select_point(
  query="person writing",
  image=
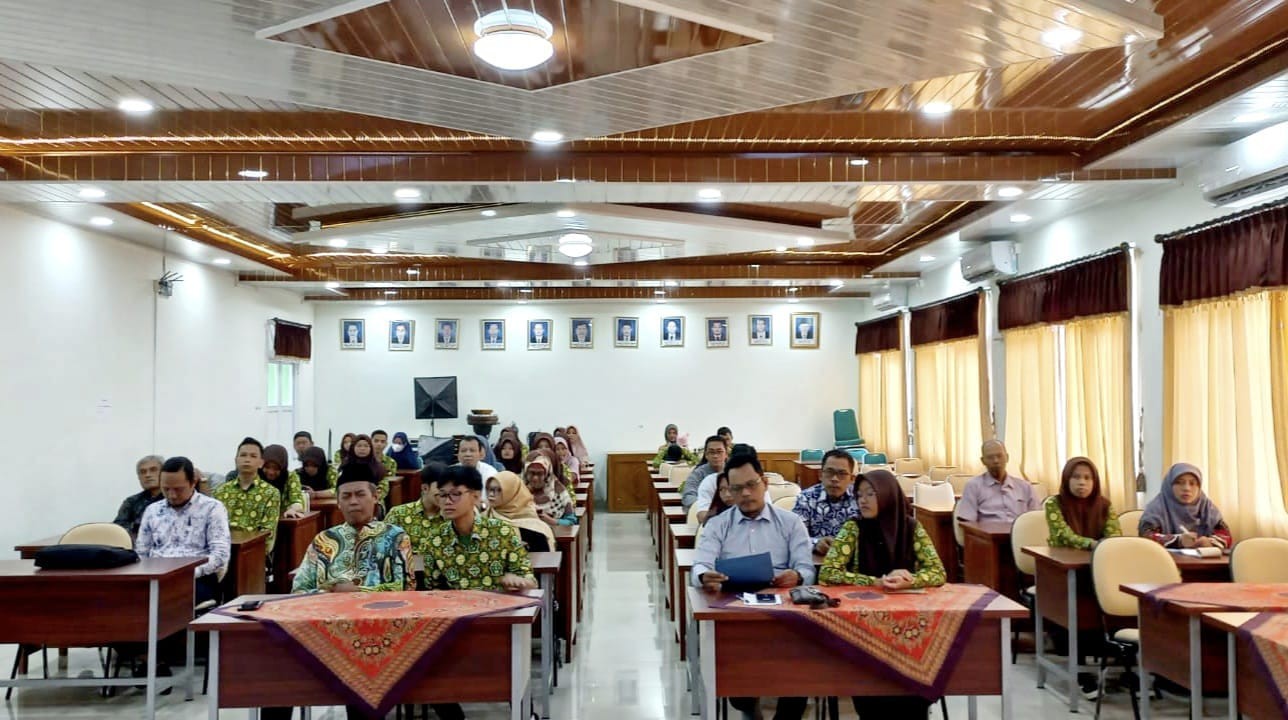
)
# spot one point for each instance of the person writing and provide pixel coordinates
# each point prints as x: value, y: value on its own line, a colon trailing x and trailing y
x: 1080, y: 516
x: 1182, y: 516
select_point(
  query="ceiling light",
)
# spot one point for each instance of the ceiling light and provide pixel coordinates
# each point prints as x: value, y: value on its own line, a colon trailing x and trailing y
x: 793, y: 289
x: 803, y: 241
x: 1251, y: 118
x: 391, y: 292
x: 222, y: 261
x: 1130, y: 38
x: 659, y: 292
x: 253, y: 174
x: 547, y: 137
x: 135, y: 106
x: 566, y: 214
x: 381, y: 302
x: 504, y: 284
x: 580, y: 263
x: 413, y: 271
x: 926, y: 258
x: 525, y: 291
x: 1058, y: 38
x: 513, y: 39
x: 793, y: 300
x: 836, y: 283
x: 92, y: 193
x: 333, y: 285
x: 859, y: 162
x: 407, y: 193
x: 489, y: 213
x: 100, y: 221
x: 1021, y: 218
x: 937, y: 107
x: 337, y: 242
x: 1009, y: 191
x: 710, y: 194
x: 576, y: 245
x: 379, y: 250
x: 565, y: 180
x: 781, y: 248
x: 671, y: 283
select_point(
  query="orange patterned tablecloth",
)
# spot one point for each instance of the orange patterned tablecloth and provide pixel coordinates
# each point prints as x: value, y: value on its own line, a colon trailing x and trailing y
x: 368, y: 644
x: 1267, y: 635
x: 916, y: 639
x: 1250, y: 597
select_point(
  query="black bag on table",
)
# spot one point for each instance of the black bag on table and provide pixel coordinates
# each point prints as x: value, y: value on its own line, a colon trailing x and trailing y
x: 84, y: 557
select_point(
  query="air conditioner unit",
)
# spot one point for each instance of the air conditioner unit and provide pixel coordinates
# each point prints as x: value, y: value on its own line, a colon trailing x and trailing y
x: 1249, y: 172
x: 890, y: 299
x: 988, y: 261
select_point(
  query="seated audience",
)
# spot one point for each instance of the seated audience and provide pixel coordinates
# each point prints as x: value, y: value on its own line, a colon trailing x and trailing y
x: 755, y: 526
x: 543, y: 441
x: 512, y: 430
x: 469, y: 453
x: 884, y: 546
x: 1080, y: 516
x: 302, y: 441
x: 703, y: 477
x: 363, y: 453
x: 554, y: 503
x: 130, y: 514
x: 252, y: 503
x: 994, y: 494
x: 420, y: 518
x: 286, y: 483
x: 674, y: 454
x: 346, y: 446
x: 727, y: 434
x: 510, y: 500
x: 472, y: 551
x: 404, y: 455
x: 566, y: 457
x: 509, y: 453
x: 722, y: 501
x: 187, y: 524
x: 671, y: 434
x: 1182, y: 516
x: 825, y: 507
x: 316, y: 477
x: 578, y: 445
x: 379, y: 443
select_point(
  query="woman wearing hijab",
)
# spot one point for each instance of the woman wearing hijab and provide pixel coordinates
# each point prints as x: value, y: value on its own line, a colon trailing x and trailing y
x: 509, y: 455
x: 346, y: 446
x: 577, y: 445
x: 403, y: 453
x: 554, y: 504
x: 1080, y: 516
x: 671, y: 434
x: 545, y: 442
x: 274, y: 473
x: 315, y: 476
x: 510, y: 500
x: 723, y: 499
x: 363, y: 453
x: 1182, y: 516
x: 884, y: 546
x: 564, y: 453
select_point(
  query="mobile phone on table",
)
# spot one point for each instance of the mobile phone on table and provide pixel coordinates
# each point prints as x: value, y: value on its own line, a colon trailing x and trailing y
x: 766, y: 597
x: 250, y: 605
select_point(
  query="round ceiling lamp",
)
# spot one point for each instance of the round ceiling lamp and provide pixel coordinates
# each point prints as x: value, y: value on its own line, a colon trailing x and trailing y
x: 576, y: 245
x: 513, y: 39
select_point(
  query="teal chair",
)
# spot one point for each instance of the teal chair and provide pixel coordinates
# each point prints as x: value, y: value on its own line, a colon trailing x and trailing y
x: 860, y: 455
x: 876, y: 459
x: 811, y: 456
x: 845, y: 429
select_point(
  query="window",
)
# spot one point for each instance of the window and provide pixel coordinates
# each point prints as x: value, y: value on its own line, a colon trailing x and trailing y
x: 281, y: 386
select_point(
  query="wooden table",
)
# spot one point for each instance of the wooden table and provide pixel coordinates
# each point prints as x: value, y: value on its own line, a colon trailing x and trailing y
x: 330, y: 509
x: 404, y: 487
x: 669, y: 516
x: 294, y: 535
x: 246, y: 564
x: 1064, y: 581
x: 545, y: 565
x: 490, y: 661
x: 986, y: 549
x: 732, y: 655
x: 682, y: 536
x: 807, y: 473
x: 683, y: 564
x: 628, y: 481
x: 569, y: 583
x: 1249, y: 694
x: 141, y: 602
x: 655, y: 504
x: 939, y: 526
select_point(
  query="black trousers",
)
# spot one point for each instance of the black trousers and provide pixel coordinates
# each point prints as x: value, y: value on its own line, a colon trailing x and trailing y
x: 903, y: 707
x: 789, y: 708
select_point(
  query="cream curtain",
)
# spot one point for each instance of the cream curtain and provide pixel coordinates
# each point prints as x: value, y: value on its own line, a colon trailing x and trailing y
x: 881, y: 403
x: 1220, y: 401
x: 1098, y: 414
x: 949, y: 415
x: 1032, y: 434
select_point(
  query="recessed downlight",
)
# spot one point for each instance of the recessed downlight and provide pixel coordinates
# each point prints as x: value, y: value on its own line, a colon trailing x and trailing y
x: 222, y: 261
x: 379, y: 250
x: 488, y: 213
x: 92, y: 193
x: 413, y: 271
x: 100, y: 221
x: 333, y: 285
x: 526, y: 291
x: 407, y: 193
x: 337, y: 242
x: 804, y: 241
x: 391, y: 292
x: 253, y: 174
x: 580, y: 263
x: 1019, y: 218
x: 858, y: 162
x: 926, y: 258
x: 547, y: 137
x: 937, y: 108
x: 710, y: 194
x: 659, y: 292
x: 781, y: 249
x: 566, y: 214
x: 1009, y: 191
x: 135, y: 106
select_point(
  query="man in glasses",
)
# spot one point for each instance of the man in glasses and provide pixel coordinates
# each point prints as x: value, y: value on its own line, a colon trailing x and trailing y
x: 826, y: 506
x: 472, y: 551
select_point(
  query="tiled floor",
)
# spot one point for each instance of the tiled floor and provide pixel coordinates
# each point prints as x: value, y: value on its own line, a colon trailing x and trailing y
x: 627, y: 665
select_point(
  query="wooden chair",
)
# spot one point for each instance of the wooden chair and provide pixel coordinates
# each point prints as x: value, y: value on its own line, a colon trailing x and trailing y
x: 1130, y: 522
x: 1260, y: 560
x: 101, y: 533
x: 909, y: 466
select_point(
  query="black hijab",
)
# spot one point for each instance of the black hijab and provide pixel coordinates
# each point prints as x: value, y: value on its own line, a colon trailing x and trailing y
x: 317, y: 481
x: 886, y: 541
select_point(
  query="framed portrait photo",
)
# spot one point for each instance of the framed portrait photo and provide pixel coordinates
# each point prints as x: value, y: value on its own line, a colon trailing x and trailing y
x: 402, y: 334
x: 581, y: 333
x: 626, y: 332
x: 717, y: 332
x: 353, y: 334
x: 447, y: 333
x: 539, y: 334
x: 760, y: 329
x: 493, y: 333
x: 673, y: 331
x: 804, y: 328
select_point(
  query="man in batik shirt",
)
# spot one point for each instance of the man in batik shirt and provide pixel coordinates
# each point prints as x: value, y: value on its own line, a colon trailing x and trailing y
x: 253, y: 505
x: 826, y: 506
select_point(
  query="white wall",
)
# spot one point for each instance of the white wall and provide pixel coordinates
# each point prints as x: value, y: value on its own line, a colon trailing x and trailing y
x: 77, y: 370
x: 1101, y: 227
x: 620, y: 399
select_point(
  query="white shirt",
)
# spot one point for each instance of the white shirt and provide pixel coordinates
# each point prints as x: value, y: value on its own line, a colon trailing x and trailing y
x: 707, y: 492
x: 487, y: 471
x: 198, y: 528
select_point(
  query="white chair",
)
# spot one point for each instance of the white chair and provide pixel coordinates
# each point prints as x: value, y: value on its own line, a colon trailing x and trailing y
x: 870, y: 468
x: 958, y: 481
x: 908, y: 483
x: 101, y: 533
x: 934, y: 496
x: 692, y: 519
x: 678, y: 472
x: 786, y: 502
x: 1029, y: 529
x: 958, y: 534
x: 909, y: 466
x: 940, y: 473
x: 1130, y: 522
x: 1260, y: 560
x: 779, y: 487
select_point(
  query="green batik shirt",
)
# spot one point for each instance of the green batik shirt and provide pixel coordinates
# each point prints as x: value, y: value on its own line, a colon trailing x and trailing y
x: 842, y: 557
x: 378, y: 559
x: 411, y: 517
x: 1061, y: 535
x: 254, y: 509
x: 293, y: 494
x: 391, y: 466
x: 476, y: 562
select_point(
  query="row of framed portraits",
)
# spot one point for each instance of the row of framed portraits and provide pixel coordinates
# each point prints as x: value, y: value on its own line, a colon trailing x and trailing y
x: 803, y: 332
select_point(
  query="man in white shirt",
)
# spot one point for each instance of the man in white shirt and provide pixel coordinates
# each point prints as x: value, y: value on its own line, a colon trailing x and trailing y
x: 470, y: 454
x: 187, y: 524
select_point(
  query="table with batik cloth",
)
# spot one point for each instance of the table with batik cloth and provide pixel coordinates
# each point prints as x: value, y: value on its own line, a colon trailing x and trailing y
x: 372, y: 650
x: 951, y: 640
x: 1256, y: 642
x: 1173, y: 641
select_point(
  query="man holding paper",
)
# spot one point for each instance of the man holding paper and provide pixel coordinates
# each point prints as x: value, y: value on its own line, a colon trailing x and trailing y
x: 733, y: 539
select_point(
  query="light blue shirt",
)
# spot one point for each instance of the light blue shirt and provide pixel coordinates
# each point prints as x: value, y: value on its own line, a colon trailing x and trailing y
x: 985, y: 499
x: 775, y: 531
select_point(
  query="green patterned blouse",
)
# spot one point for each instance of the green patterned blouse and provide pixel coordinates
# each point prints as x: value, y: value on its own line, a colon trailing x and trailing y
x: 292, y: 494
x: 411, y: 517
x: 255, y: 508
x: 836, y: 568
x: 691, y: 457
x: 1061, y: 535
x: 476, y: 562
x: 391, y: 466
x: 378, y: 559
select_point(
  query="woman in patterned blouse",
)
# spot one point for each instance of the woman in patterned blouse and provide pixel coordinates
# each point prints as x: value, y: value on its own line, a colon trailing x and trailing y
x: 1080, y: 516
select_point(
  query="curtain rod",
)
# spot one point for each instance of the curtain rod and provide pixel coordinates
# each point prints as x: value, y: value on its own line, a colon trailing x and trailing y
x: 945, y: 301
x: 292, y: 324
x: 1228, y: 219
x: 883, y: 318
x: 1121, y: 247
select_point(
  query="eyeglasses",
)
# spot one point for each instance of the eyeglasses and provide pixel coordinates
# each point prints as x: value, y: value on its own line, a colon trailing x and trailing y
x: 739, y: 489
x: 831, y: 473
x: 455, y: 496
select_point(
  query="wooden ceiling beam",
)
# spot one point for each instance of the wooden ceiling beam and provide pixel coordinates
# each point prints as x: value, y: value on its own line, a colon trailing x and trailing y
x: 585, y: 293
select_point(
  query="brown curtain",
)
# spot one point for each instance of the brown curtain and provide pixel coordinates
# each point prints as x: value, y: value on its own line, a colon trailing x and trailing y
x: 1084, y: 288
x: 292, y: 340
x: 1225, y: 257
x: 951, y: 319
x: 878, y: 335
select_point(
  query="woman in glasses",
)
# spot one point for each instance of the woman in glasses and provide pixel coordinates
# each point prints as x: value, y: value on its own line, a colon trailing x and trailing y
x: 554, y: 504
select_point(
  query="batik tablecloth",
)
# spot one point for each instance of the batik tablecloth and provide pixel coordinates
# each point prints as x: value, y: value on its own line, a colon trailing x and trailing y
x: 1267, y: 636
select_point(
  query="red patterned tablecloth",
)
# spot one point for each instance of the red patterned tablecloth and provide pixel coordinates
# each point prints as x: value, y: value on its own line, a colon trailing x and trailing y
x: 370, y: 645
x: 1250, y: 597
x: 1267, y: 635
x: 916, y: 638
